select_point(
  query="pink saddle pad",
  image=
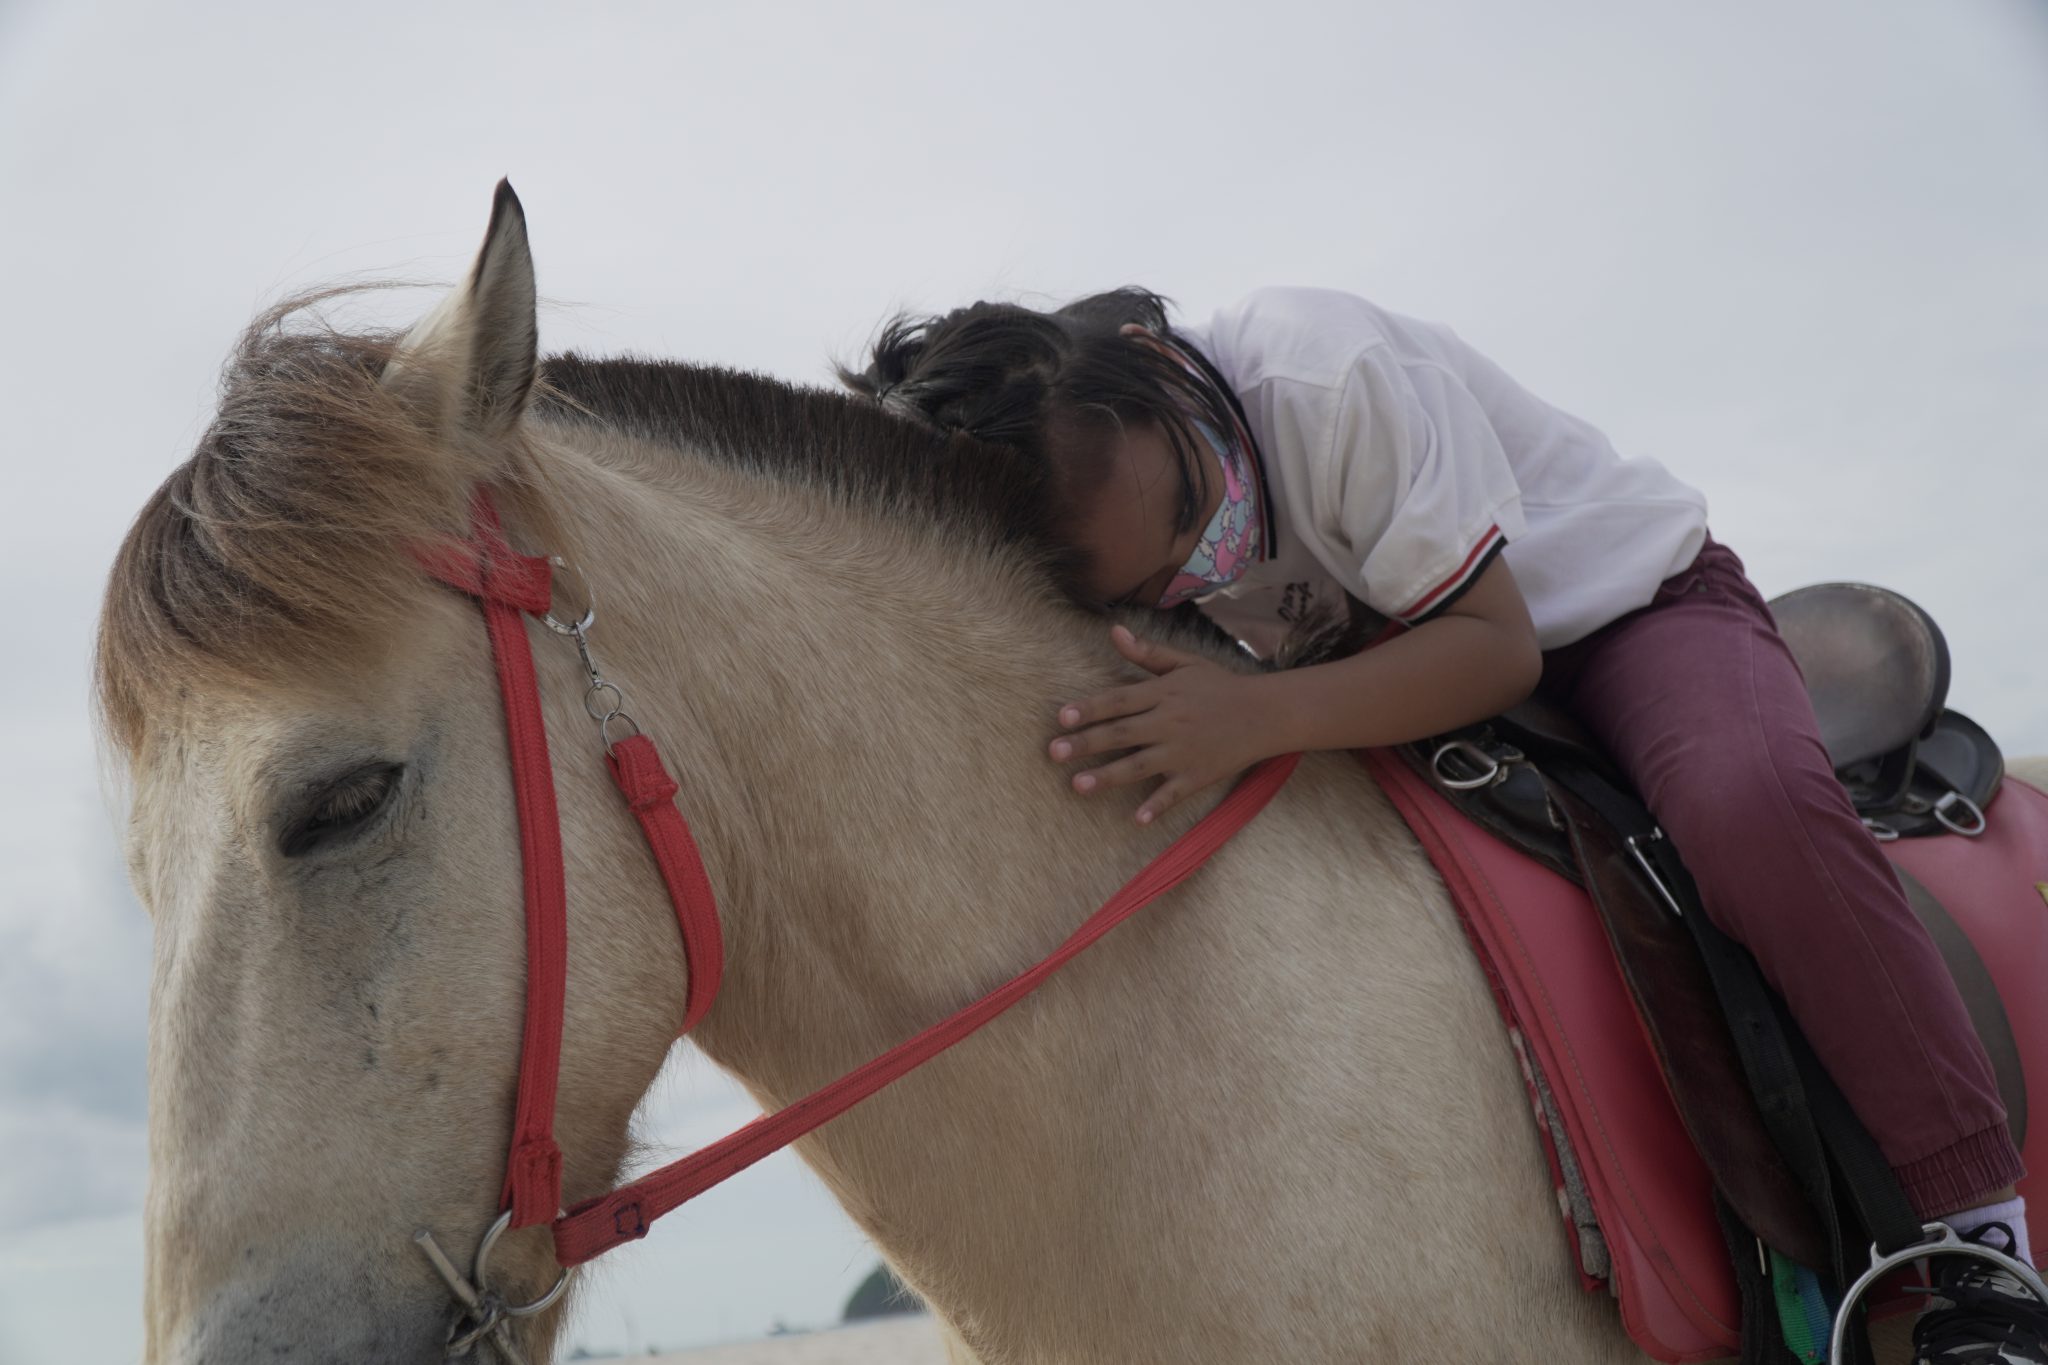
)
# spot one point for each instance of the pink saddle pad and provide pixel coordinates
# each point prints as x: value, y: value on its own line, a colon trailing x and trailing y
x: 1558, y: 988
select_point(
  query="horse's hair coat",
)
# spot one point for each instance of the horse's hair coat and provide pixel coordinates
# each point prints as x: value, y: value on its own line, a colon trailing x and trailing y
x: 1271, y: 1118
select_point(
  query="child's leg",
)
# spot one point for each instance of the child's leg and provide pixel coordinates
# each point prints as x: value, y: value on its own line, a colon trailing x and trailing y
x: 1698, y: 699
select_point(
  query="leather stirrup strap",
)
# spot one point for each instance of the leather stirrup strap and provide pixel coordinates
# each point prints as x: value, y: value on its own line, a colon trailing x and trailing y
x: 1805, y: 1126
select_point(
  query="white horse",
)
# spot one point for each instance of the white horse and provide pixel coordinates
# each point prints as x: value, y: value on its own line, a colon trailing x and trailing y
x: 1273, y: 1118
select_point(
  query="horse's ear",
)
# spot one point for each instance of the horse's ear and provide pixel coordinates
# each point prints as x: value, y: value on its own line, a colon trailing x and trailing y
x: 470, y: 363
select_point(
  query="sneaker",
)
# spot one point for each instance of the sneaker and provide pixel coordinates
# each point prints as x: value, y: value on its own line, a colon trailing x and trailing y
x: 1979, y: 1314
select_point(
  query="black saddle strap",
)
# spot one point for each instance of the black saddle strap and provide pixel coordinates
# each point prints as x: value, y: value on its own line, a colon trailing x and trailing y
x: 1803, y: 1110
x: 1745, y: 998
x: 1763, y: 1336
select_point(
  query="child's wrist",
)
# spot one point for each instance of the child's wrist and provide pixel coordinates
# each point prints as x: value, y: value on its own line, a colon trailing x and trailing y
x: 1266, y: 713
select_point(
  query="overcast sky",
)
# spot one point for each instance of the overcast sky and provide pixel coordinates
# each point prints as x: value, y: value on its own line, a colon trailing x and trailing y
x: 1795, y: 251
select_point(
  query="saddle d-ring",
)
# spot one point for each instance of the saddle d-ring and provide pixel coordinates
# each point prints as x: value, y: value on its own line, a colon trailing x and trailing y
x: 1879, y: 830
x: 1491, y: 770
x: 1973, y: 823
x: 1941, y: 1240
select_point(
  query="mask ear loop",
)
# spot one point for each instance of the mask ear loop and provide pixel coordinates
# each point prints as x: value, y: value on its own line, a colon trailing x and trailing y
x: 1196, y: 578
x: 1252, y: 460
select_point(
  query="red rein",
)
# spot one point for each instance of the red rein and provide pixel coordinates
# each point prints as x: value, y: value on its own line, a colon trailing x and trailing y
x: 509, y: 586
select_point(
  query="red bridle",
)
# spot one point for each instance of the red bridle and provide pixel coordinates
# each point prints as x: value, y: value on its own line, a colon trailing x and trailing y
x: 510, y: 586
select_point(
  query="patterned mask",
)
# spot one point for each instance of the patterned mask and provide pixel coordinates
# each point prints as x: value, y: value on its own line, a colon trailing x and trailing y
x: 1230, y: 542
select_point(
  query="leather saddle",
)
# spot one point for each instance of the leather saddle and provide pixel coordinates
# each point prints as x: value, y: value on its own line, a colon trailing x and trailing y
x: 1877, y: 669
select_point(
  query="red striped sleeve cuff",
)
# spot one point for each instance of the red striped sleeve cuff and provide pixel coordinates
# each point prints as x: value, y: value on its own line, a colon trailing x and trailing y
x: 1491, y: 543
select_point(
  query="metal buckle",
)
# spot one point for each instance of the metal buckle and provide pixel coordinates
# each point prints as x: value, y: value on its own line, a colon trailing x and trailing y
x: 1941, y: 1241
x: 1970, y: 810
x: 1879, y: 830
x: 1634, y: 843
x: 484, y: 1314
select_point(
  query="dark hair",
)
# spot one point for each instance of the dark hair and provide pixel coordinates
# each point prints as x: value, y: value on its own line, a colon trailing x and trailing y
x: 1059, y: 386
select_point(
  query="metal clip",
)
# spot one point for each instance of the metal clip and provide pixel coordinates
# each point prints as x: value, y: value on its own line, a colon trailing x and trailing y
x: 604, y: 701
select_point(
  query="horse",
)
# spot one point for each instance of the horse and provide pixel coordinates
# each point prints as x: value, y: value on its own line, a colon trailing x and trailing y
x: 1273, y: 1117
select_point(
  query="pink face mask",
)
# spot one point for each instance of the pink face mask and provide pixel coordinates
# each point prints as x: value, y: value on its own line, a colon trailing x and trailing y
x: 1230, y: 542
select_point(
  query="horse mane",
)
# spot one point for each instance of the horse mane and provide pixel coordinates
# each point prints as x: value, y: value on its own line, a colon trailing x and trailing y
x: 283, y: 546
x: 820, y: 438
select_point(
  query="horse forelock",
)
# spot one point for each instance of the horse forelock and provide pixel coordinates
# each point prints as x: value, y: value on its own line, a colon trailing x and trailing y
x: 282, y: 548
x: 282, y: 544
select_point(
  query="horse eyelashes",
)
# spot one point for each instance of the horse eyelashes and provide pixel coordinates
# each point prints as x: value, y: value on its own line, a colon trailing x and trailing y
x: 342, y: 810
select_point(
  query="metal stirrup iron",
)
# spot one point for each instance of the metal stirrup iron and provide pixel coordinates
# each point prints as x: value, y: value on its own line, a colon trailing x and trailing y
x: 1941, y: 1240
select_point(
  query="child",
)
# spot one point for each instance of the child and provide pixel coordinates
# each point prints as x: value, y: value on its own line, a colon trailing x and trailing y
x: 1308, y: 451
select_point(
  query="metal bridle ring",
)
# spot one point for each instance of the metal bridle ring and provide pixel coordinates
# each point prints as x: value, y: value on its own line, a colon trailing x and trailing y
x: 601, y: 714
x: 481, y: 1274
x: 548, y: 617
x: 604, y: 729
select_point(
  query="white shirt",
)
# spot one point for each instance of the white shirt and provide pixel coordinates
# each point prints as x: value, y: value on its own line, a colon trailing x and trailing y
x: 1398, y: 461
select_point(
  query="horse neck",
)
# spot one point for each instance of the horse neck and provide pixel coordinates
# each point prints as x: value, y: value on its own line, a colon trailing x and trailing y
x: 857, y: 712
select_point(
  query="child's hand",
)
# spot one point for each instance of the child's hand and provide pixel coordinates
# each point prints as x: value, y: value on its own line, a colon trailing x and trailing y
x: 1194, y: 724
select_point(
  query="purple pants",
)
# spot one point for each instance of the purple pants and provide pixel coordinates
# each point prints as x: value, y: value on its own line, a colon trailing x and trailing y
x: 1699, y: 701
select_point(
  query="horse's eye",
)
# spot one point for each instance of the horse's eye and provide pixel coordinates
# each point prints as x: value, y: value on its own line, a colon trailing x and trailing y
x: 345, y: 807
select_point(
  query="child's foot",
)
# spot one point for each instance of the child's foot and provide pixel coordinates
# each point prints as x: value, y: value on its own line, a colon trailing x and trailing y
x: 1980, y: 1314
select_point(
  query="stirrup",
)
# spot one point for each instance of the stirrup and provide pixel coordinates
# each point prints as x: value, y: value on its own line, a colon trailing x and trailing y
x: 1941, y: 1240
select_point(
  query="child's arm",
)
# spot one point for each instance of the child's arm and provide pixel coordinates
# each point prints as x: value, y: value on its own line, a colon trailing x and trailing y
x: 1195, y: 723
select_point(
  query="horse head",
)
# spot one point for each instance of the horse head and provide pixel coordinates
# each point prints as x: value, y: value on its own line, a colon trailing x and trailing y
x: 323, y: 833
